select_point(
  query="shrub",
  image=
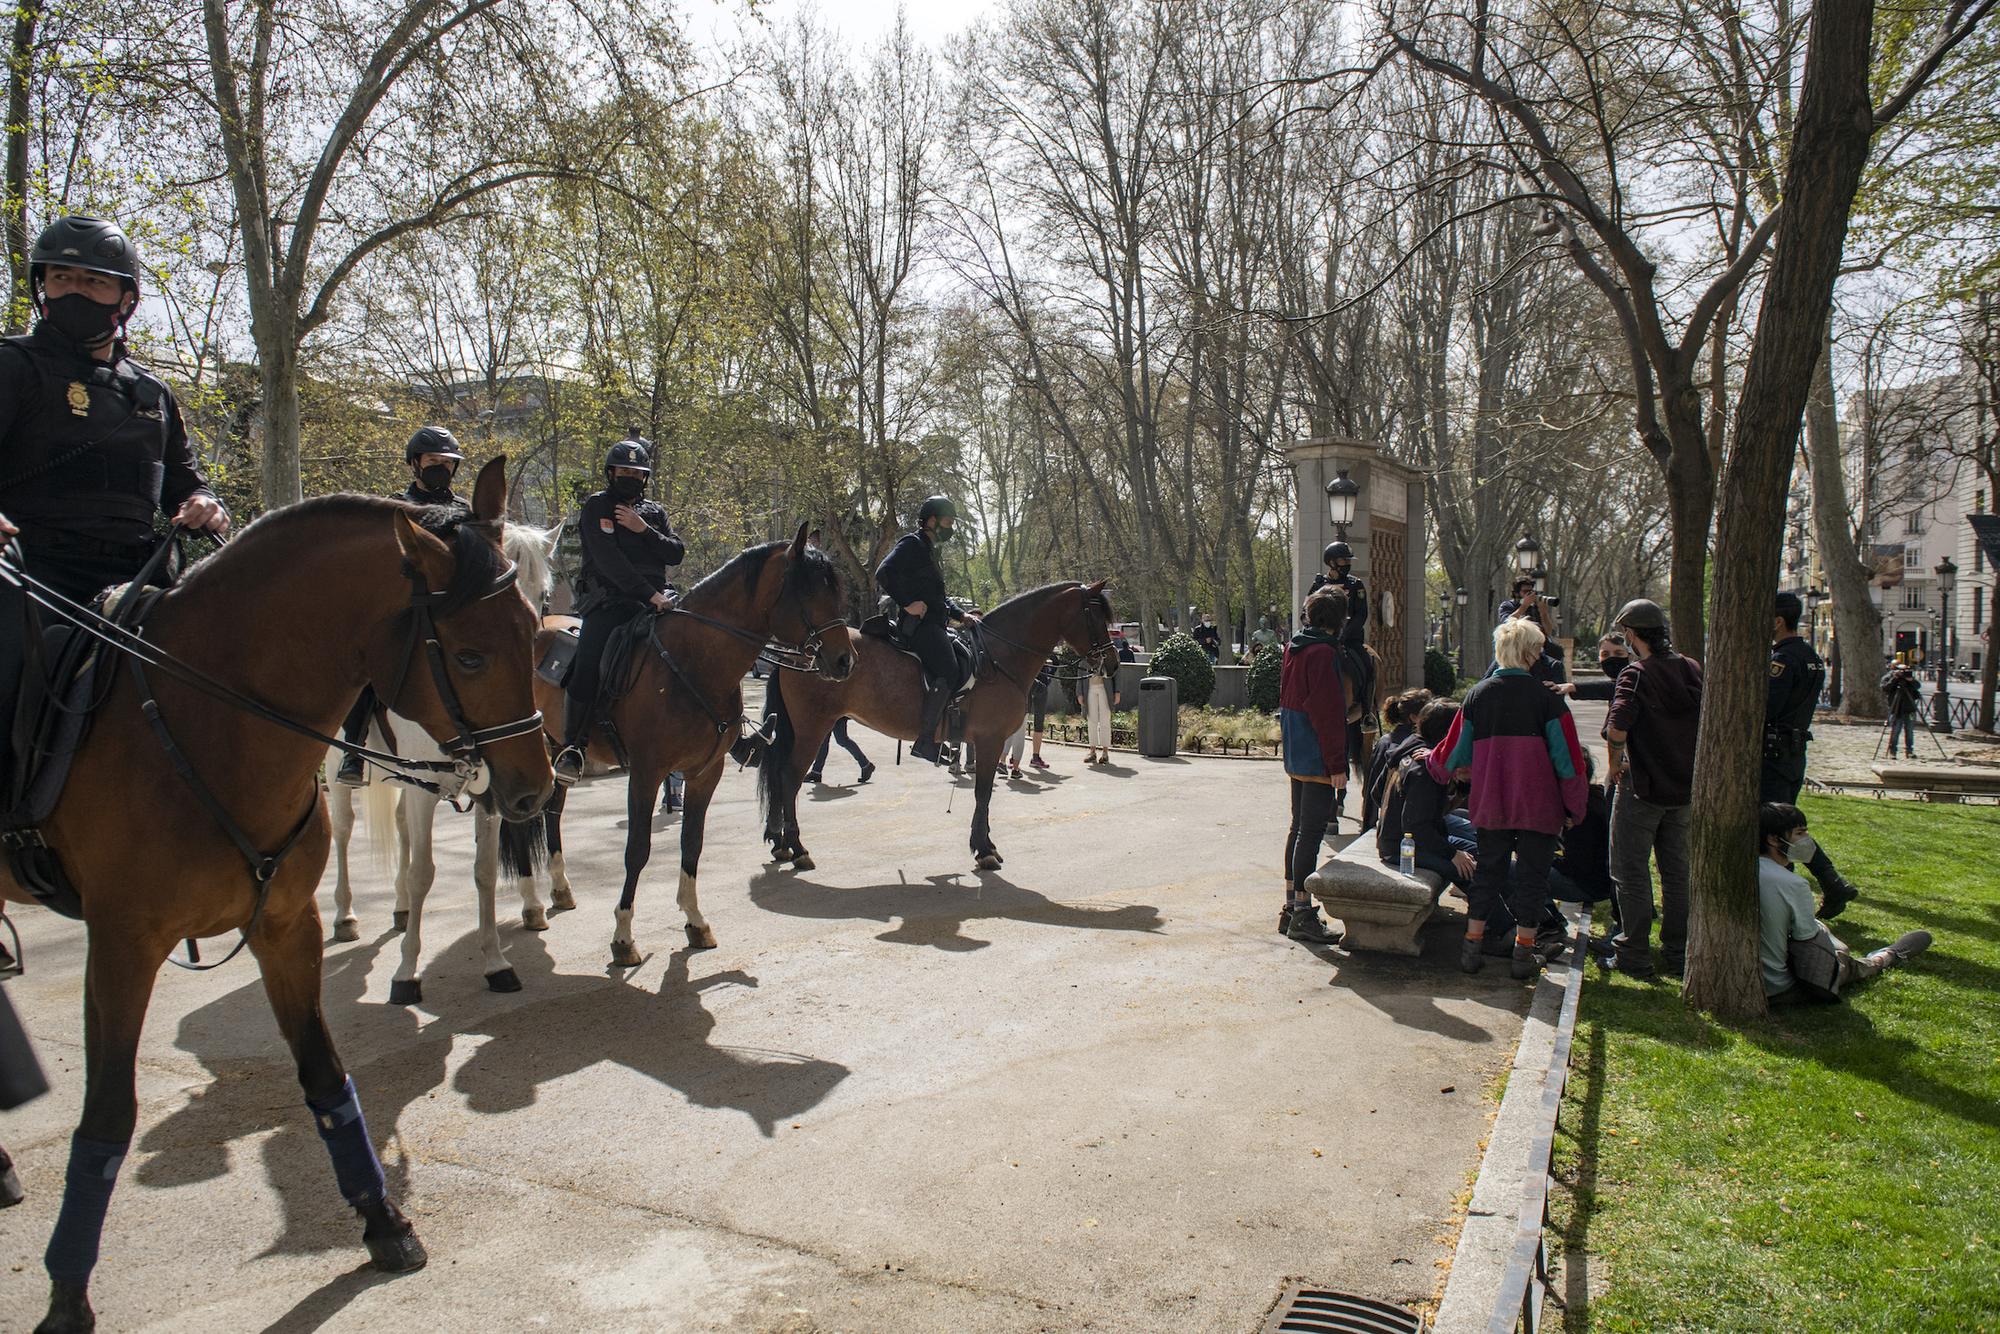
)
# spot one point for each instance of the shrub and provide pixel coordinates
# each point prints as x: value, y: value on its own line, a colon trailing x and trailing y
x: 1263, y: 680
x: 1440, y: 673
x: 1183, y: 659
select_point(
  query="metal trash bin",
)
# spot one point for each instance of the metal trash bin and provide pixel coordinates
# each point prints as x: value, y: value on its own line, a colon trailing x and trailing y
x: 1159, y: 715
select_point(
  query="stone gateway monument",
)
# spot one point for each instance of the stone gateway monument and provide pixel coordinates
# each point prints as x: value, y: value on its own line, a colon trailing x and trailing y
x: 1386, y: 531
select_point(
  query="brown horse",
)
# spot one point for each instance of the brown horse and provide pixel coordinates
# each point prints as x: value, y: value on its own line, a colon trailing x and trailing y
x: 334, y: 592
x: 886, y: 693
x: 682, y: 706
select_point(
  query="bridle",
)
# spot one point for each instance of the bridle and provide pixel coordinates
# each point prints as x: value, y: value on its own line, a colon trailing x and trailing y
x: 802, y: 655
x: 1102, y: 648
x: 466, y: 771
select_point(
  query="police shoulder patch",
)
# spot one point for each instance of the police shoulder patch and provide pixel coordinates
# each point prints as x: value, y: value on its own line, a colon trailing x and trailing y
x: 1777, y: 668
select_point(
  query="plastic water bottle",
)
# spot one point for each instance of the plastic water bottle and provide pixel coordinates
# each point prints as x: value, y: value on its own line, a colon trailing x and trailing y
x: 1408, y: 865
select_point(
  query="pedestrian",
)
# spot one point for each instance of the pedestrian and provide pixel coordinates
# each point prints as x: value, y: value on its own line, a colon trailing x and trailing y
x: 1038, y: 706
x: 1516, y: 742
x: 1418, y: 805
x: 1099, y: 700
x: 1010, y: 754
x: 1901, y: 691
x: 1312, y: 726
x: 1650, y: 734
x: 817, y: 774
x: 1400, y: 712
x: 1798, y: 675
x: 1802, y: 960
x: 1614, y: 654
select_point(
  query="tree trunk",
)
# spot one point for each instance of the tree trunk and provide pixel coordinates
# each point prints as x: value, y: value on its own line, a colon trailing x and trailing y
x: 1857, y: 621
x: 278, y: 373
x: 1822, y: 173
x: 20, y: 71
x: 1690, y: 508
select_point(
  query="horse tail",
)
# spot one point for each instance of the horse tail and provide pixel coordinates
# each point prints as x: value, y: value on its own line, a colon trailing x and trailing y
x: 781, y: 741
x: 524, y: 846
x: 378, y: 817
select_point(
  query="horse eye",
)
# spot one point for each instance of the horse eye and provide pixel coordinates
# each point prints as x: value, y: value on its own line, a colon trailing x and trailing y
x: 472, y: 662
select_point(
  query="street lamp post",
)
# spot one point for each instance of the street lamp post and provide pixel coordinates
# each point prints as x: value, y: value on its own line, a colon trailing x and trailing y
x: 1343, y: 493
x: 1947, y: 577
x: 1459, y: 598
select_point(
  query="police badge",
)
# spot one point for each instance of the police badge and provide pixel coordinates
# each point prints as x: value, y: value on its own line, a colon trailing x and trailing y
x: 79, y: 399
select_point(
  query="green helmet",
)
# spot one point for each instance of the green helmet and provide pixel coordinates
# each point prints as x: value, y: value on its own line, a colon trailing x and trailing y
x: 937, y: 507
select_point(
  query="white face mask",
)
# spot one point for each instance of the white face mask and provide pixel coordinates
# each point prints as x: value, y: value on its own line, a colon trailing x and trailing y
x: 1802, y: 849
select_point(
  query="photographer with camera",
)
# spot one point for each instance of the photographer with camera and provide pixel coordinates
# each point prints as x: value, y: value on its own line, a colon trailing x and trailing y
x: 1538, y: 609
x: 1901, y: 691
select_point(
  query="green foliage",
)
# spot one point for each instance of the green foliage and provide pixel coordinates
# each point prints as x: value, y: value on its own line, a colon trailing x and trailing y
x: 1263, y: 681
x: 1183, y: 659
x: 1829, y: 1158
x: 1440, y: 672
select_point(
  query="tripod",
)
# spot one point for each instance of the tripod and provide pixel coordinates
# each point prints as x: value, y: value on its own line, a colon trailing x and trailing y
x: 1922, y: 717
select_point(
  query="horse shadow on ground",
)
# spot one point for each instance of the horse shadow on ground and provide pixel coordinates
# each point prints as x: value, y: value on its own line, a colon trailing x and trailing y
x: 558, y: 1025
x: 934, y: 912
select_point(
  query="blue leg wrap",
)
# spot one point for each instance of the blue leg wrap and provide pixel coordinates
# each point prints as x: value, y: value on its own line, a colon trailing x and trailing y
x: 93, y: 1171
x: 355, y: 1166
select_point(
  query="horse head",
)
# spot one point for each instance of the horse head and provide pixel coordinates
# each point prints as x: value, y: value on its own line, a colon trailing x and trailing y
x: 462, y: 656
x: 811, y: 609
x: 1088, y: 631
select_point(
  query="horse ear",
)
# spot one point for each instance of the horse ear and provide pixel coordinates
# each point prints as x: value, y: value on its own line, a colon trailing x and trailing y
x: 430, y: 556
x: 489, y: 493
x: 1097, y: 587
x: 798, y: 550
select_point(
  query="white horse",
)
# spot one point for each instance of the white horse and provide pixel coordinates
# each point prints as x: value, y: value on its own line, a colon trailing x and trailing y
x: 415, y: 813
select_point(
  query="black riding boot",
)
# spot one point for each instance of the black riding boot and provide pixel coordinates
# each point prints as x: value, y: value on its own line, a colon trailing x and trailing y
x: 577, y: 719
x: 926, y: 745
x: 1835, y: 890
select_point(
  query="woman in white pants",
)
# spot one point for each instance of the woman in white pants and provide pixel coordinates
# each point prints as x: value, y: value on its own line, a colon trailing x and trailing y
x: 1098, y: 699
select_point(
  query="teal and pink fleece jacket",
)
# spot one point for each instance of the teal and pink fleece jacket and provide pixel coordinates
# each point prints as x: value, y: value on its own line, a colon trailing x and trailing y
x: 1518, y: 739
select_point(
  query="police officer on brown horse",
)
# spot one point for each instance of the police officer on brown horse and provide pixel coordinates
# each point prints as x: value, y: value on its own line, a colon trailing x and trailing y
x: 628, y: 547
x: 912, y: 578
x: 433, y: 457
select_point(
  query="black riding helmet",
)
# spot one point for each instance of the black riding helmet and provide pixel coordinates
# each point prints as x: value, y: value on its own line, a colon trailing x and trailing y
x: 628, y: 454
x: 78, y: 242
x: 432, y: 440
x: 937, y: 507
x: 1336, y: 551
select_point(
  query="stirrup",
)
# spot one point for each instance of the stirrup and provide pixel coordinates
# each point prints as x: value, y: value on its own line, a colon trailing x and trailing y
x: 568, y: 765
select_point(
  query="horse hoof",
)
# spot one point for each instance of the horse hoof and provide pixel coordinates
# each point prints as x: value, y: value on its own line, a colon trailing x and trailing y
x: 534, y: 919
x: 69, y: 1311
x: 783, y: 852
x: 561, y: 900
x: 624, y: 954
x: 410, y: 992
x: 397, y: 1253
x: 347, y: 928
x: 11, y: 1193
x: 803, y: 862
x: 399, y: 920
x: 504, y: 980
x: 701, y: 938
x: 989, y: 862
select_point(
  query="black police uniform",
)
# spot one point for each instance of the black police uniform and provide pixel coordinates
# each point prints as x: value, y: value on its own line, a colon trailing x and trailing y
x: 622, y: 570
x: 447, y: 498
x: 909, y: 574
x: 90, y: 453
x: 1798, y: 675
x: 1354, y: 638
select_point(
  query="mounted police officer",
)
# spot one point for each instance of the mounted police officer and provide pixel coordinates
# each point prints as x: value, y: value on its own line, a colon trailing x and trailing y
x: 433, y: 457
x: 914, y: 580
x: 1798, y: 675
x: 1339, y: 561
x: 92, y: 447
x: 628, y: 547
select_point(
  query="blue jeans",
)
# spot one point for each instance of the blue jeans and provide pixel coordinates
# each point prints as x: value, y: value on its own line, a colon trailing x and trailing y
x: 847, y: 743
x: 1905, y: 726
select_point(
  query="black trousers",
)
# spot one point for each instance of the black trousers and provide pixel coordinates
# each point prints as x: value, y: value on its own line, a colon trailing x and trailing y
x: 932, y: 645
x: 1513, y: 873
x: 1312, y: 809
x: 586, y: 677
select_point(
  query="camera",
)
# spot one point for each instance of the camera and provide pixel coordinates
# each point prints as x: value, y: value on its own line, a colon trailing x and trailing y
x: 1551, y: 599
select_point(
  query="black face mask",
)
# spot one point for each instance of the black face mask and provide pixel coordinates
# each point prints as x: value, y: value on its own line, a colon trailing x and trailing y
x: 91, y: 323
x: 627, y: 489
x: 437, y: 478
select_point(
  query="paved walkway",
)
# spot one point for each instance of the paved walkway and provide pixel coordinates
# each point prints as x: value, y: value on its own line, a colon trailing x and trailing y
x: 1093, y: 1091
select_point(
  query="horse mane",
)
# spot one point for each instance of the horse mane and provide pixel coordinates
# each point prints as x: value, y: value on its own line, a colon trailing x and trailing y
x: 531, y: 549
x: 476, y: 562
x: 1034, y: 597
x: 807, y: 576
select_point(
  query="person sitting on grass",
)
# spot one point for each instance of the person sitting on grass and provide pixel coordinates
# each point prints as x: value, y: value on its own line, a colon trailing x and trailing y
x: 1803, y: 961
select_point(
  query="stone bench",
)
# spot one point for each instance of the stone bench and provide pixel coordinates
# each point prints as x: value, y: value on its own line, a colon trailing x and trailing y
x: 1379, y: 908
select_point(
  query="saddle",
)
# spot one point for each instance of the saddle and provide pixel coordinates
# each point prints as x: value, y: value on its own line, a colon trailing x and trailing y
x: 60, y: 692
x: 967, y: 645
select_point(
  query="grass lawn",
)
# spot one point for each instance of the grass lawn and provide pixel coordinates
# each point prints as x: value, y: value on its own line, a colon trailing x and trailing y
x: 1831, y: 1168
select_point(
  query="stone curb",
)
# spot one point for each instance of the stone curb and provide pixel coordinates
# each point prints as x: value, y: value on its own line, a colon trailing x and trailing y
x: 1498, y: 1271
